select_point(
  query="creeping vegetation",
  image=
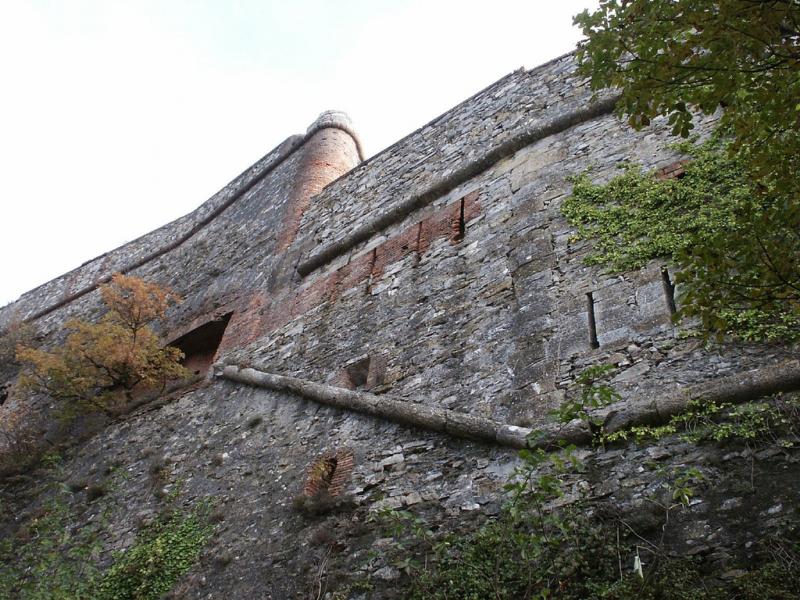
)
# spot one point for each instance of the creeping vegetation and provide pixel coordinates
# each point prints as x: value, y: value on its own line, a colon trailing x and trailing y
x: 736, y: 60
x: 162, y: 553
x: 52, y: 559
x: 546, y: 545
x: 775, y: 422
x: 733, y: 242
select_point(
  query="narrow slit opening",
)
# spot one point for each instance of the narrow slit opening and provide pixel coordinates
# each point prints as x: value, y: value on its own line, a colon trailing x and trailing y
x: 460, y: 227
x: 593, y: 343
x: 373, y: 259
x: 419, y: 240
x: 669, y: 290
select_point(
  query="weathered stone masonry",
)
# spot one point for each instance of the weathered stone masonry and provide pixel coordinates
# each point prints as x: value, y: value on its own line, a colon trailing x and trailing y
x: 436, y: 280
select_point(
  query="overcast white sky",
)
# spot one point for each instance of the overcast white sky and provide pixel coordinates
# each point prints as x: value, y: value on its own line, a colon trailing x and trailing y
x: 117, y: 116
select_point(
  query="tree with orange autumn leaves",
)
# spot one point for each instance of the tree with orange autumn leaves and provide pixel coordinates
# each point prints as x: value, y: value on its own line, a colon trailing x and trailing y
x: 100, y: 365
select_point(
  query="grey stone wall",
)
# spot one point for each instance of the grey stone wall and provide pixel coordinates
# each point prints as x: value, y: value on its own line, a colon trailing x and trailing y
x: 473, y: 298
x: 249, y: 450
x: 497, y: 323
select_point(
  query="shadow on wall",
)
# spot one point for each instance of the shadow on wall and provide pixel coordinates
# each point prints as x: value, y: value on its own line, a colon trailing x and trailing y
x: 200, y: 345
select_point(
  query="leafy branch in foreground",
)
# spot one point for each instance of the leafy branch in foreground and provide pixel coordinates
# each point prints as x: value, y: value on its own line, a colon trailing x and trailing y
x: 681, y: 57
x: 738, y: 248
x: 101, y: 364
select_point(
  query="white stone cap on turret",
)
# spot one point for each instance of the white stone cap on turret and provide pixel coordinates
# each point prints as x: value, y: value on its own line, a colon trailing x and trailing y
x: 336, y: 119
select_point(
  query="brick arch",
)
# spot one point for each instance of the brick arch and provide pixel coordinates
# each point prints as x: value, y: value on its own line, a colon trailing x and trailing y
x: 329, y: 473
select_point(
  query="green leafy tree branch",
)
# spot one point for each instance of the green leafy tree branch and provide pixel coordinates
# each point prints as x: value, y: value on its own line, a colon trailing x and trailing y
x: 731, y: 226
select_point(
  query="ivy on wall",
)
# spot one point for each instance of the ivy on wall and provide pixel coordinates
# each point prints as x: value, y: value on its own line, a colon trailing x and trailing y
x: 734, y: 243
x: 52, y: 559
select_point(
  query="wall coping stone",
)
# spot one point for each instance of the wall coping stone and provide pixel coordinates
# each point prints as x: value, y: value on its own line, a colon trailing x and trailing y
x: 537, y: 131
x: 736, y: 389
x: 243, y: 184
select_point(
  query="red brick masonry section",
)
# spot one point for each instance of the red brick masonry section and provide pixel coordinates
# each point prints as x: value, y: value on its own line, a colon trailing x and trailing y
x: 329, y: 473
x: 673, y: 171
x: 263, y: 315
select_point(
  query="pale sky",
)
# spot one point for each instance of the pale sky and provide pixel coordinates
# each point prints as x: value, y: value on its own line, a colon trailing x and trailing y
x: 118, y: 116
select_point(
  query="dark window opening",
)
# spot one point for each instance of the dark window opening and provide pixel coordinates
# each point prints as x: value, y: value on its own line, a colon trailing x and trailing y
x: 329, y: 474
x: 365, y: 373
x: 358, y: 372
x: 200, y: 345
x: 592, y: 322
x: 669, y: 290
x: 320, y: 476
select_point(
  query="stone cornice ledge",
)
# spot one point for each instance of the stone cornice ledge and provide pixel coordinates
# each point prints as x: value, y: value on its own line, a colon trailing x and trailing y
x: 532, y: 133
x: 415, y: 414
x: 738, y: 388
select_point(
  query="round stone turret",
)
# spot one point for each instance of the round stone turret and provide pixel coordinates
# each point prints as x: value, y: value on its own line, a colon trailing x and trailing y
x: 336, y: 119
x: 331, y: 149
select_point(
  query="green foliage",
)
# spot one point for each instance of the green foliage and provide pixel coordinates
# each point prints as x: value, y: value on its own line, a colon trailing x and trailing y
x: 593, y: 394
x: 50, y: 558
x: 532, y: 550
x: 636, y: 217
x: 676, y: 58
x: 683, y: 486
x: 397, y: 524
x: 542, y: 547
x: 735, y: 238
x: 703, y: 421
x: 516, y: 558
x: 360, y: 585
x: 162, y: 553
x: 736, y: 248
x: 684, y: 579
x: 501, y: 562
x: 582, y: 560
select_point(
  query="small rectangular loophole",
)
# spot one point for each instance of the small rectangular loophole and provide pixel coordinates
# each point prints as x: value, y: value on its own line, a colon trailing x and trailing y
x: 593, y: 343
x: 669, y: 290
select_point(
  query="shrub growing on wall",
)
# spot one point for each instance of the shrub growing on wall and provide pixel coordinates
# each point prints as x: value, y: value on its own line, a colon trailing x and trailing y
x: 100, y: 365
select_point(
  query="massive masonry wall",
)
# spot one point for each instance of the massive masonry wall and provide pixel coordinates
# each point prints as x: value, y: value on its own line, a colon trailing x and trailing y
x: 232, y: 243
x: 439, y: 272
x: 473, y: 297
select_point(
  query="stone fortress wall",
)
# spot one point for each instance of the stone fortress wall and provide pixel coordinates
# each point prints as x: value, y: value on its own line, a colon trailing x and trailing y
x: 439, y: 272
x: 451, y: 240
